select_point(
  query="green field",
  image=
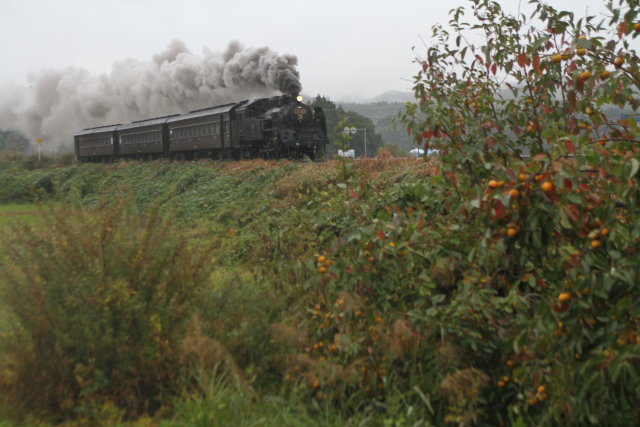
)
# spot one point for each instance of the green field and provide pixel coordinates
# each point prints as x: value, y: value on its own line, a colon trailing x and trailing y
x: 10, y: 213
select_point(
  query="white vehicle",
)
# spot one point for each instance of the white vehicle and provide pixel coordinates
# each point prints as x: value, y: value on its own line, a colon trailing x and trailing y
x: 347, y: 153
x: 419, y: 152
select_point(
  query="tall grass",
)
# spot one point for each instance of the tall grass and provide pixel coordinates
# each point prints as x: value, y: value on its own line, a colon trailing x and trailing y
x: 110, y: 307
x: 97, y: 303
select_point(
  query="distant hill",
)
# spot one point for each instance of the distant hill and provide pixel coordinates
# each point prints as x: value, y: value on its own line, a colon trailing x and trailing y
x: 394, y: 96
x: 374, y: 110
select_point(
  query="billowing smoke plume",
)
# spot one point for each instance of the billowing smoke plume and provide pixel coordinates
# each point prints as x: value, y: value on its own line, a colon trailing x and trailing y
x: 58, y: 103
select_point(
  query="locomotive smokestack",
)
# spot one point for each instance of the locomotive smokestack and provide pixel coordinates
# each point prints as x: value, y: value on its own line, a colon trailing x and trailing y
x: 59, y: 102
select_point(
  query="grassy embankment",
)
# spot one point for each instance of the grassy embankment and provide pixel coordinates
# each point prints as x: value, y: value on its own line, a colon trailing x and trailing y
x: 259, y: 293
x: 256, y: 229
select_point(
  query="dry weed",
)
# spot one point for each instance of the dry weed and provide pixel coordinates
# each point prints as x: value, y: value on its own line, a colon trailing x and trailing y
x: 463, y: 384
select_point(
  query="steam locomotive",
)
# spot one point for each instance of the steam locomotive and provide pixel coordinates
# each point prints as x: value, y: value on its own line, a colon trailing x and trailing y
x: 277, y: 127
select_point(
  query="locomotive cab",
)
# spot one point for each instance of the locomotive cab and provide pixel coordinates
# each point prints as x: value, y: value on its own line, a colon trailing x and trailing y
x: 281, y: 126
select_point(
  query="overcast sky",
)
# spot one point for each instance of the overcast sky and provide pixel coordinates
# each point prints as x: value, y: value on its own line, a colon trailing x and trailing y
x: 345, y: 48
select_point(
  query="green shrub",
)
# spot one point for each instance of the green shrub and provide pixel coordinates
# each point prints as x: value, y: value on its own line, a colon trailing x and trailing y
x: 97, y: 304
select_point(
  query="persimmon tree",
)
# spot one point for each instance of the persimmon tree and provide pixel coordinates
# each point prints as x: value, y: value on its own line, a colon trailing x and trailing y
x: 503, y: 289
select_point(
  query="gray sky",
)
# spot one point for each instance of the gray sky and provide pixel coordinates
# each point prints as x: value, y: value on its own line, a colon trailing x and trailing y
x: 345, y: 49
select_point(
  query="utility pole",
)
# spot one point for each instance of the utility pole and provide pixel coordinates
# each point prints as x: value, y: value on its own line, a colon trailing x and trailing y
x: 352, y: 130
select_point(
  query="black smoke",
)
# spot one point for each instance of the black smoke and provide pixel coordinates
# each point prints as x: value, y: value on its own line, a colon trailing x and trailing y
x: 58, y: 103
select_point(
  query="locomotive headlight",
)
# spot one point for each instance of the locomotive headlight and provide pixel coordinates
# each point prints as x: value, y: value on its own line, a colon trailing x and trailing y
x: 299, y: 98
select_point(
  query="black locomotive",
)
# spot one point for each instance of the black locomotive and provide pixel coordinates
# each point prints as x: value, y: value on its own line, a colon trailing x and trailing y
x: 277, y: 127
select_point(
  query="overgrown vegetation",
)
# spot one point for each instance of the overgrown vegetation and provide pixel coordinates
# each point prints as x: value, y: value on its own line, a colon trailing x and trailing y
x: 253, y: 222
x: 100, y: 303
x: 496, y: 286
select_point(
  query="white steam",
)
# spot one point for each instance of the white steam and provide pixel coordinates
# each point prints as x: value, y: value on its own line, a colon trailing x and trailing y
x: 58, y: 103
